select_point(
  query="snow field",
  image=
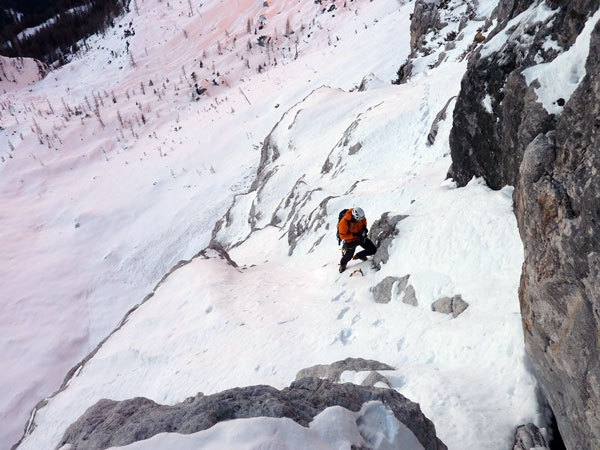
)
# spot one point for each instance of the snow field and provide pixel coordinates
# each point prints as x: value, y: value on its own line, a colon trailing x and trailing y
x: 99, y: 215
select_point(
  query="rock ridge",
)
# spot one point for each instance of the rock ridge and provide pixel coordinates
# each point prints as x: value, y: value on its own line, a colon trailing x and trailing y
x: 112, y: 423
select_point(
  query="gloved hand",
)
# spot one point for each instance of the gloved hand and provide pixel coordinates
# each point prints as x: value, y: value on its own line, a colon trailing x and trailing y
x: 363, y: 235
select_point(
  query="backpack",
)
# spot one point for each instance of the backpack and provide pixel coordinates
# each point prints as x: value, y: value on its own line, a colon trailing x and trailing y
x: 337, y: 231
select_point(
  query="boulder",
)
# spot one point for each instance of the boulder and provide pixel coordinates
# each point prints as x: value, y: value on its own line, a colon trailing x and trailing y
x: 382, y: 292
x: 450, y: 305
x: 410, y: 296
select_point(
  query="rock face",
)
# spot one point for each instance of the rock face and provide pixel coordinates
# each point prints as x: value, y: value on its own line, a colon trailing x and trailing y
x: 110, y: 423
x: 558, y: 211
x: 496, y: 114
x: 426, y: 17
x: 503, y: 134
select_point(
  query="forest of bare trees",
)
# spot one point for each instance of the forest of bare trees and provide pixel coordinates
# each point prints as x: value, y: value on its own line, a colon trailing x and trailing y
x: 59, y: 25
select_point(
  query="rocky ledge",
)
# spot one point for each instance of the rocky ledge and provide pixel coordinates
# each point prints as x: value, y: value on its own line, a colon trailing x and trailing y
x: 115, y: 423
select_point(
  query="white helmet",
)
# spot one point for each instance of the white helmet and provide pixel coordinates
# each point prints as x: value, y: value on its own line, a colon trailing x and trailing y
x: 358, y: 214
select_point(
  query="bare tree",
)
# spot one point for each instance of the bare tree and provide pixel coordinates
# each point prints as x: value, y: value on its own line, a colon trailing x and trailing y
x: 131, y: 60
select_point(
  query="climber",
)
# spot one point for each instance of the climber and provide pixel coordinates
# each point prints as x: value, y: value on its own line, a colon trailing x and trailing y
x: 352, y: 230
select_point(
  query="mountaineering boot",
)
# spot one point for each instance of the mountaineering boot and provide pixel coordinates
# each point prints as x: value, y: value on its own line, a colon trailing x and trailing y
x: 342, y: 268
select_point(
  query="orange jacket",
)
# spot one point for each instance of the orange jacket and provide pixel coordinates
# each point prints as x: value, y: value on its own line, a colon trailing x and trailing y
x: 350, y: 230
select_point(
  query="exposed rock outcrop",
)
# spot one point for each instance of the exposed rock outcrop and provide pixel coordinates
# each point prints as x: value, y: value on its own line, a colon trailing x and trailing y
x: 392, y: 287
x: 111, y: 423
x: 425, y: 18
x: 496, y: 114
x: 435, y: 28
x: 502, y: 133
x: 435, y: 126
x: 410, y: 296
x: 382, y: 232
x: 383, y: 291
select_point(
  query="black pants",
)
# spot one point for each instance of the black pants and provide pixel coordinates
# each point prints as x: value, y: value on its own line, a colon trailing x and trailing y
x: 349, y: 248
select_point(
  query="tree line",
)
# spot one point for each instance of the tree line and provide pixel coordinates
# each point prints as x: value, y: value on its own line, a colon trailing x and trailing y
x: 65, y: 24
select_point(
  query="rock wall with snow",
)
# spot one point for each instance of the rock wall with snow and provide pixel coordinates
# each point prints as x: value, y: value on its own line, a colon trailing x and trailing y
x: 527, y: 116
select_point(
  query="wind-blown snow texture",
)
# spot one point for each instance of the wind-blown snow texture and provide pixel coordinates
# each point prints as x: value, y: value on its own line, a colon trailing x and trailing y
x: 112, y: 173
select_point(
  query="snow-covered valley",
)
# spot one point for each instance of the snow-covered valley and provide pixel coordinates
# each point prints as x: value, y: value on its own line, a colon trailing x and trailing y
x: 114, y: 170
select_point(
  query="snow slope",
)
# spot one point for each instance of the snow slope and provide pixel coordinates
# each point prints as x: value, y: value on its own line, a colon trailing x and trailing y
x: 117, y: 174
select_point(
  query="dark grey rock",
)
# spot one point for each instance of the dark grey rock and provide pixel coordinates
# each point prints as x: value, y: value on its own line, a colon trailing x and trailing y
x: 410, y: 296
x: 333, y: 371
x: 450, y: 305
x: 382, y: 292
x: 355, y: 148
x: 382, y: 232
x: 404, y: 72
x: 491, y: 144
x: 508, y: 9
x: 529, y: 437
x: 111, y: 423
x: 499, y: 136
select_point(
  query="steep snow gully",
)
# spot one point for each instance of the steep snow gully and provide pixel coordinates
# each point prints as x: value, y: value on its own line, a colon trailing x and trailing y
x: 299, y: 120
